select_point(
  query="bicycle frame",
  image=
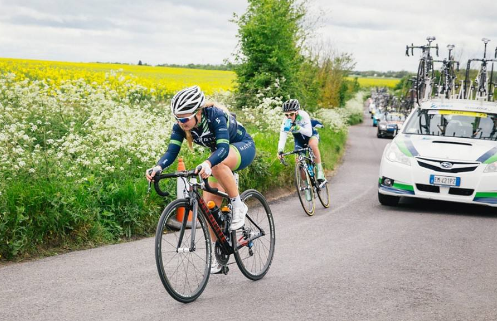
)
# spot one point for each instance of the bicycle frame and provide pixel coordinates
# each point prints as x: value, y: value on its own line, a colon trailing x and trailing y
x: 197, y: 202
x: 304, y: 160
x: 484, y: 88
x: 425, y: 69
x: 447, y: 82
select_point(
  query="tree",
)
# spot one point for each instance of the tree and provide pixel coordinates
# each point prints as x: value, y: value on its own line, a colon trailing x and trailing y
x: 140, y: 63
x: 332, y: 69
x: 269, y: 58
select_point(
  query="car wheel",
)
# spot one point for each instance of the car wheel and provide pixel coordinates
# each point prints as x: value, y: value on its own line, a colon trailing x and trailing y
x: 388, y: 200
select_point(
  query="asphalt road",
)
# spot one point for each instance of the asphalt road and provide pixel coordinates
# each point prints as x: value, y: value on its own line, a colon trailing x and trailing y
x: 358, y: 260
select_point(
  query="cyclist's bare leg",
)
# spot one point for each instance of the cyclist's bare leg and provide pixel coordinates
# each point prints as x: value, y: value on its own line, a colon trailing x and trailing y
x: 313, y: 144
x: 225, y: 181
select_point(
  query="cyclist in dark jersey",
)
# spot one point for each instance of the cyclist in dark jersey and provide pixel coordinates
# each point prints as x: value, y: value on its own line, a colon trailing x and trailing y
x: 207, y: 125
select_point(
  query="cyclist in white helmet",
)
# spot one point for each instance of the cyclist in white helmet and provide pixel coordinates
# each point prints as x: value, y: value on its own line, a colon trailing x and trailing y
x: 299, y: 123
x: 232, y: 147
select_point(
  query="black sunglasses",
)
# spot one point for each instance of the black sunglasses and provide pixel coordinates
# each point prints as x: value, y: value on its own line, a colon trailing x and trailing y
x: 290, y: 114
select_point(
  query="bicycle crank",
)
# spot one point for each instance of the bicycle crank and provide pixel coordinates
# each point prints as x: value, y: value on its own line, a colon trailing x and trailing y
x: 220, y: 256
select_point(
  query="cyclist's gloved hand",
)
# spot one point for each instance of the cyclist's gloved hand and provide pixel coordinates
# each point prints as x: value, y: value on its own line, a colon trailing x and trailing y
x: 151, y: 172
x: 295, y: 129
x: 205, y: 170
x: 288, y: 124
x: 280, y: 154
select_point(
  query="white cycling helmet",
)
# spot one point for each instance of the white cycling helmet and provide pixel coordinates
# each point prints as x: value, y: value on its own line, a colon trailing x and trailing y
x: 291, y: 105
x: 187, y: 100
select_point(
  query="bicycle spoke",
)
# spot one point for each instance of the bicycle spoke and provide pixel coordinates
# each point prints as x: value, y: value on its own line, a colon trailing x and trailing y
x: 184, y: 274
x: 254, y: 257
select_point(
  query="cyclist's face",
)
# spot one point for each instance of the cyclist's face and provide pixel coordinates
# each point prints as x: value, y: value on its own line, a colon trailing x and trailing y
x: 186, y: 121
x: 291, y: 115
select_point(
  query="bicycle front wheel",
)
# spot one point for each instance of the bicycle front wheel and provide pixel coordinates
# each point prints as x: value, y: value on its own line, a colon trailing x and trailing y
x: 255, y: 242
x: 304, y: 189
x: 183, y: 270
x: 323, y: 192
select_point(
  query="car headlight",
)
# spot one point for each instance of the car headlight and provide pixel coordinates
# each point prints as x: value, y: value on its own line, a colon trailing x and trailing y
x: 394, y: 154
x: 491, y: 168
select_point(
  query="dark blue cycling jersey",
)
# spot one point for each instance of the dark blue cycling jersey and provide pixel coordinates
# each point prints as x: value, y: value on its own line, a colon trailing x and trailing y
x: 216, y: 130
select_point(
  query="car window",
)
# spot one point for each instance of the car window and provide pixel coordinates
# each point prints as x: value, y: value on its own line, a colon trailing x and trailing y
x: 451, y: 124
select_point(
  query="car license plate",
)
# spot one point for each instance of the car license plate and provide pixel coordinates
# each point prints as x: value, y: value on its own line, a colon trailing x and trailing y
x: 445, y: 180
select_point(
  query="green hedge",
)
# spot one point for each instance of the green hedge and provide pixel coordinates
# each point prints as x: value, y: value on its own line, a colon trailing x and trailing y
x: 50, y: 215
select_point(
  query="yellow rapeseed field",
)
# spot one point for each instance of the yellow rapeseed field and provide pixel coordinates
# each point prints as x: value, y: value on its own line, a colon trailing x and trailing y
x: 161, y: 81
x: 377, y: 82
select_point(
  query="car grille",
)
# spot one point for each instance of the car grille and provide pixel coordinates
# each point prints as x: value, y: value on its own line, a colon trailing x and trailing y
x: 428, y: 188
x: 457, y: 167
x: 452, y: 190
x: 461, y: 191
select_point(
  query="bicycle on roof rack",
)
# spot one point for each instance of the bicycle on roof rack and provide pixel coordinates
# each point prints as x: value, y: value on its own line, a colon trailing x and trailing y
x: 483, y: 86
x: 426, y: 73
x: 183, y: 253
x: 446, y: 86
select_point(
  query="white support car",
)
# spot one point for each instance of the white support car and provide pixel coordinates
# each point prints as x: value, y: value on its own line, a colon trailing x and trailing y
x: 447, y: 150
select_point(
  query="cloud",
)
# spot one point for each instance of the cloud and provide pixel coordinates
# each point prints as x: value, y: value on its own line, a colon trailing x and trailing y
x: 376, y: 33
x: 199, y: 31
x: 178, y: 31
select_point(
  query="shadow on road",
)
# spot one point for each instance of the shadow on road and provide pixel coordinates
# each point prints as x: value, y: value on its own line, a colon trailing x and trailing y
x: 424, y: 206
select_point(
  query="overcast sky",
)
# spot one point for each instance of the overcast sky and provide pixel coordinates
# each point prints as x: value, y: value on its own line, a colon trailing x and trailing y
x: 200, y: 31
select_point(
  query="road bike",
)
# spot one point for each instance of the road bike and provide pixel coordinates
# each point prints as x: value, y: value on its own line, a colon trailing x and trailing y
x: 425, y: 73
x: 306, y: 181
x: 483, y: 86
x: 446, y: 86
x: 183, y: 253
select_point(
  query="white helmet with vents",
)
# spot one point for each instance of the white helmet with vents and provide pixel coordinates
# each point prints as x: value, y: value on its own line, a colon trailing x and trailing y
x: 187, y: 100
x: 291, y: 105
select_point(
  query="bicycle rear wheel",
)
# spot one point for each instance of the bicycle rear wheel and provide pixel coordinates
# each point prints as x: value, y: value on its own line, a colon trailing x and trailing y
x: 183, y: 273
x: 420, y: 81
x: 323, y: 192
x: 255, y: 242
x: 304, y: 189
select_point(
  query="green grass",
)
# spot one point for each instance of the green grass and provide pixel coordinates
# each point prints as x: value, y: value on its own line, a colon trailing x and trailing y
x: 55, y: 216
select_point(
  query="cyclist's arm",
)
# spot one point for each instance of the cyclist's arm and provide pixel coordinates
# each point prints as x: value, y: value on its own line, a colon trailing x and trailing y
x: 283, y: 137
x: 305, y: 126
x: 221, y: 132
x: 177, y: 137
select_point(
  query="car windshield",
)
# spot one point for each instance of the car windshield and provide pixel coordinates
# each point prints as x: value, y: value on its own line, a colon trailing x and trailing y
x: 453, y: 123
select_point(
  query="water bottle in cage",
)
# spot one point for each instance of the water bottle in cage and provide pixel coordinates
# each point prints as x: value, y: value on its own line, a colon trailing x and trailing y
x: 311, y: 170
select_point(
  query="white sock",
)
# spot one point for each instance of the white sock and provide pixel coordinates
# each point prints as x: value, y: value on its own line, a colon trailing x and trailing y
x: 236, y: 201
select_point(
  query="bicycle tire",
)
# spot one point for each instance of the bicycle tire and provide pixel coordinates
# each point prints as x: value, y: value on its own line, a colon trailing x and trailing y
x: 421, y: 86
x: 302, y: 185
x: 323, y: 193
x: 482, y: 91
x: 255, y: 258
x: 176, y: 268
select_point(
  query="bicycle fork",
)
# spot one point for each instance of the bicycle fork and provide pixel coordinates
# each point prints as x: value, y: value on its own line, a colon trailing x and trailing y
x: 180, y: 249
